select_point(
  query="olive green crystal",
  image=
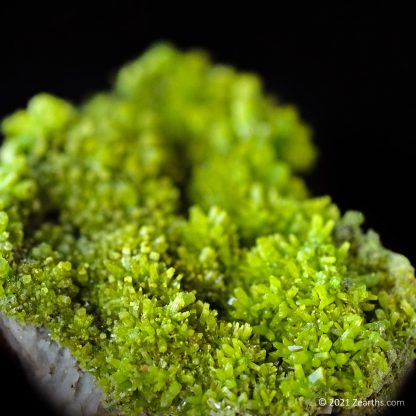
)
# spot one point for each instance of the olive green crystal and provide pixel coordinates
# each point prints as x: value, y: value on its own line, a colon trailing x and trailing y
x: 161, y: 233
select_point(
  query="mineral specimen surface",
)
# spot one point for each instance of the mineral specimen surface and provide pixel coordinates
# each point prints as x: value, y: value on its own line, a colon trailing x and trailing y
x: 162, y: 234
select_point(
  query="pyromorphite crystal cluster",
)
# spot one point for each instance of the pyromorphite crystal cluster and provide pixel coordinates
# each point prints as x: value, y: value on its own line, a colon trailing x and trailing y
x: 159, y: 231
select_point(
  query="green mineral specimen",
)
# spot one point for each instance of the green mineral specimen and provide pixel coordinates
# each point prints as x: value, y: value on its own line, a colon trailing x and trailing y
x: 161, y: 233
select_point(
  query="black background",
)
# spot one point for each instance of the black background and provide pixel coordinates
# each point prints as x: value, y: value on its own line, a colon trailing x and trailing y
x: 349, y: 71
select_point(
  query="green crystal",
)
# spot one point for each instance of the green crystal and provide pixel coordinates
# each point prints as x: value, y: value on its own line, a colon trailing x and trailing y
x: 162, y: 233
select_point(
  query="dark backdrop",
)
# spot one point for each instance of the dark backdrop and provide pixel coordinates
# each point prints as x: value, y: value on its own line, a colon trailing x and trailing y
x: 349, y: 71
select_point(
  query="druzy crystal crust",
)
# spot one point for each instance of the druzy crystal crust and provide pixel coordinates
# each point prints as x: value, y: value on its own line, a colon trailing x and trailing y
x: 161, y: 232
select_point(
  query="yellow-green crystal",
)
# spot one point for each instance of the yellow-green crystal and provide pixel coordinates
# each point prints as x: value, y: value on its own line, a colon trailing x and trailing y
x: 161, y: 233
